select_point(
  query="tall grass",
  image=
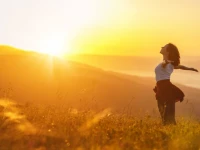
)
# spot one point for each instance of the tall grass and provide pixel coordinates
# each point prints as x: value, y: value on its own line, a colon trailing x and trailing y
x: 31, y: 127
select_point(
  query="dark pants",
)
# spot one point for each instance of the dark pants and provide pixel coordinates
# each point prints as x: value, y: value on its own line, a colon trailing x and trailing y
x: 167, y: 111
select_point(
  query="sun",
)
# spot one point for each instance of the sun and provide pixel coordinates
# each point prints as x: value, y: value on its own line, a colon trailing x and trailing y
x: 55, y: 46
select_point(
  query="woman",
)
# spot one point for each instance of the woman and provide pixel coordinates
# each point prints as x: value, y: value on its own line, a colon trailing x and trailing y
x: 168, y: 94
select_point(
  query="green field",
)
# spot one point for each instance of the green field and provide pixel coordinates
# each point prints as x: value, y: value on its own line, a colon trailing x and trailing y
x: 31, y: 127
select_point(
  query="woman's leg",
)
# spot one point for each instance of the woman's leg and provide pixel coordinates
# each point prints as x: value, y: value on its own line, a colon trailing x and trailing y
x: 161, y: 108
x: 169, y: 114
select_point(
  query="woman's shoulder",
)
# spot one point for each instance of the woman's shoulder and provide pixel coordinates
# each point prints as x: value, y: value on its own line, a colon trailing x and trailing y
x: 159, y: 64
x: 170, y: 65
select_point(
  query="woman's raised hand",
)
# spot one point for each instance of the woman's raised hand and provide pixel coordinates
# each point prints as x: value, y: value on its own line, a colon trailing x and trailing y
x: 193, y: 69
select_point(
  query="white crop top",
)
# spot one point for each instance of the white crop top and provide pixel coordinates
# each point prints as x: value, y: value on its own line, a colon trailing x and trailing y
x: 163, y: 73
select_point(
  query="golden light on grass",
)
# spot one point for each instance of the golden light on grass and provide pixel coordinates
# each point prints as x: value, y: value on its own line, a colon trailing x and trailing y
x: 95, y: 120
x: 13, y: 117
x: 69, y: 129
x: 6, y: 103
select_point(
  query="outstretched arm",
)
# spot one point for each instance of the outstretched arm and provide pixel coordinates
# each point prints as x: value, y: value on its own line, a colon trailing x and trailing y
x: 185, y: 68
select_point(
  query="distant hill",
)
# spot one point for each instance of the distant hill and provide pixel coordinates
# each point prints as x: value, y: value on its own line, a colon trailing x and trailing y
x: 113, y: 62
x: 43, y: 79
x: 129, y: 63
x: 9, y: 50
x: 6, y: 50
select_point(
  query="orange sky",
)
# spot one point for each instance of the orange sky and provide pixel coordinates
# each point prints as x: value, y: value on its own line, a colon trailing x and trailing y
x: 115, y: 27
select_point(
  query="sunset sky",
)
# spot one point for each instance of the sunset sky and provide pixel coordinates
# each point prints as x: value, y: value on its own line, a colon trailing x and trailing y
x: 114, y: 27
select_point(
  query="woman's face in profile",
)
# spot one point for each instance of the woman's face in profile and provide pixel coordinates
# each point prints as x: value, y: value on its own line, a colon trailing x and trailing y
x: 164, y: 52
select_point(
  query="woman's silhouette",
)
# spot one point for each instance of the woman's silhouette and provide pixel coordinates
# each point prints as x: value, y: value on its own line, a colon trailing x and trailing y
x: 168, y: 94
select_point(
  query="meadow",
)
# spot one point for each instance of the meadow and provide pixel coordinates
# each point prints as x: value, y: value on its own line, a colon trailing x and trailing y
x: 52, y: 104
x: 37, y: 127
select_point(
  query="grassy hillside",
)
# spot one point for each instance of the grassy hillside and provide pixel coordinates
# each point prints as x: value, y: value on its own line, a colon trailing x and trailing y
x: 45, y: 79
x: 42, y: 79
x: 48, y: 103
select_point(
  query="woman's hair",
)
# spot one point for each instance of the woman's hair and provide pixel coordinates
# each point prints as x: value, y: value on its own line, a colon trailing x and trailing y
x: 174, y: 55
